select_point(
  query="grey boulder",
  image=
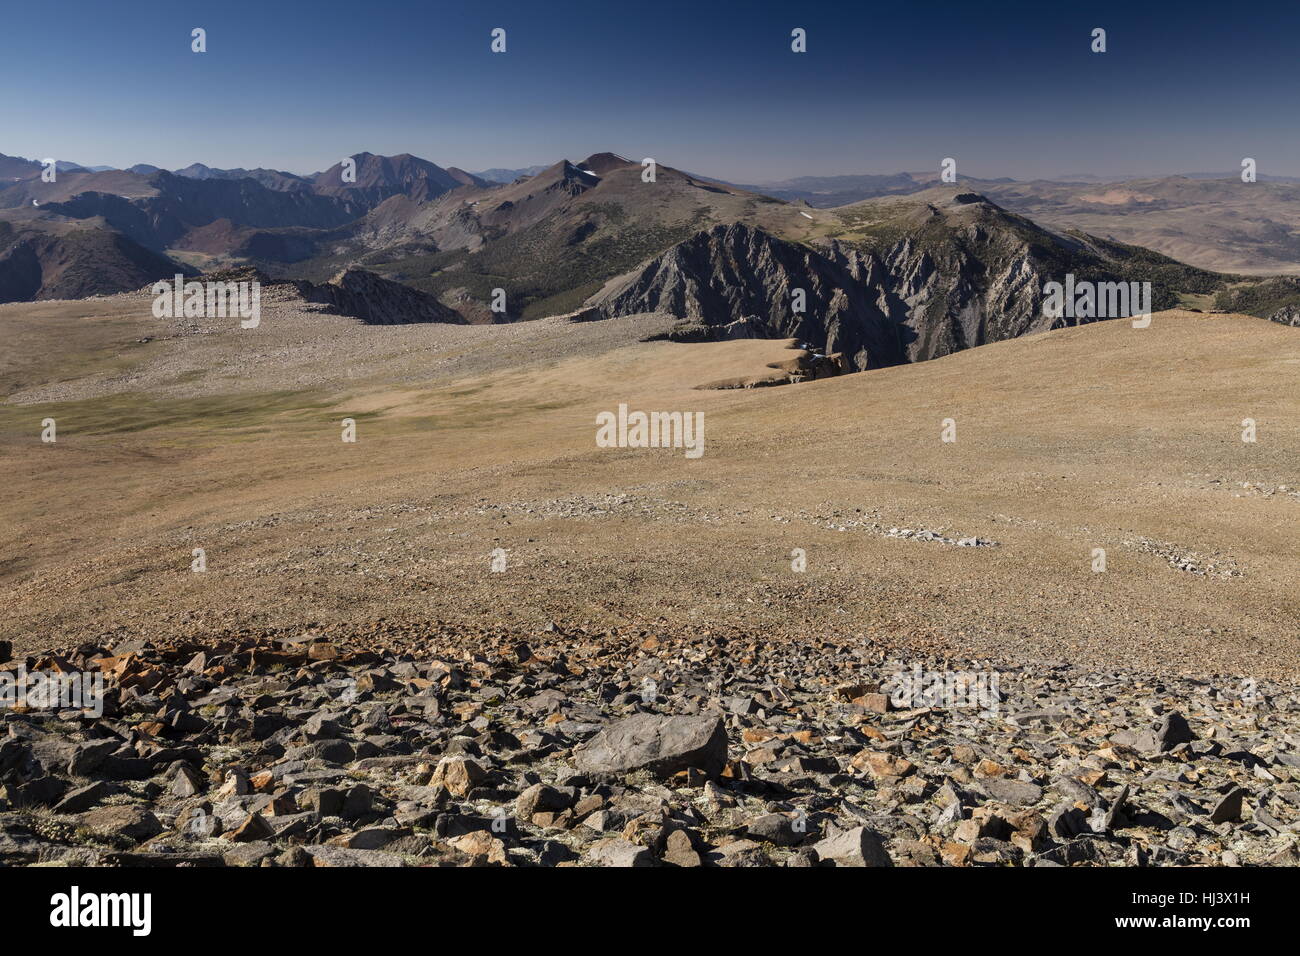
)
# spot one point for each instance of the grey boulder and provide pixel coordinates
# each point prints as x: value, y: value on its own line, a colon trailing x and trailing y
x: 660, y: 744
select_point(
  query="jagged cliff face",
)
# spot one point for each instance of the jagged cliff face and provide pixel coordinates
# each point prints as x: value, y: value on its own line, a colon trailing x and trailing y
x: 741, y: 282
x: 946, y: 280
x: 876, y: 311
x: 1287, y: 315
x: 969, y: 275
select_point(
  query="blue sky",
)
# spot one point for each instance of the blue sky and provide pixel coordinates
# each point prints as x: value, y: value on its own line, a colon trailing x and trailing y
x: 1008, y: 89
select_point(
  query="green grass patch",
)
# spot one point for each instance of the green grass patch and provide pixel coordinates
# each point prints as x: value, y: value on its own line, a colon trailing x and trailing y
x: 129, y: 412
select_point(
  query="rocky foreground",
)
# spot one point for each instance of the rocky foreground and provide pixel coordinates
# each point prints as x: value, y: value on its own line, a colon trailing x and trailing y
x: 637, y: 749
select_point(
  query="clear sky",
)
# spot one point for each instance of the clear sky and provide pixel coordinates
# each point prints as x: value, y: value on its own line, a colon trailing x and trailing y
x: 1008, y: 89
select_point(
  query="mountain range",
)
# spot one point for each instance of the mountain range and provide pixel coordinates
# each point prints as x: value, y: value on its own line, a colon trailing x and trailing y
x: 897, y: 268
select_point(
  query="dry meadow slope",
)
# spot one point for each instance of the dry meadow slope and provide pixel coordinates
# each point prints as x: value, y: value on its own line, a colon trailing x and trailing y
x: 471, y: 439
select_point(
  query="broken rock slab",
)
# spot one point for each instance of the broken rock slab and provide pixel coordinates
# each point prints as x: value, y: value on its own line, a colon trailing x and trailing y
x: 617, y: 852
x: 337, y: 856
x: 860, y: 846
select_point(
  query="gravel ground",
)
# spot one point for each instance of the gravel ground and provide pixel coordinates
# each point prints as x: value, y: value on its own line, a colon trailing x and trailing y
x: 641, y: 749
x: 305, y: 346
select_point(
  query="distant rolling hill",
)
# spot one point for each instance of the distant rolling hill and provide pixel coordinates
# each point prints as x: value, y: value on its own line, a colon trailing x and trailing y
x: 270, y: 178
x: 1211, y: 220
x: 72, y: 260
x: 15, y: 168
x: 498, y: 175
x: 380, y: 177
x: 827, y: 191
x: 1221, y: 224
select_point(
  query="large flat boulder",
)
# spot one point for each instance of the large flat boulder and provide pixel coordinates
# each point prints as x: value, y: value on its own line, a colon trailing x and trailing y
x: 661, y: 744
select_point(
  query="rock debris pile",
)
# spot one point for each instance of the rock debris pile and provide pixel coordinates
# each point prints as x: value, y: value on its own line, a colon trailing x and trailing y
x: 576, y: 748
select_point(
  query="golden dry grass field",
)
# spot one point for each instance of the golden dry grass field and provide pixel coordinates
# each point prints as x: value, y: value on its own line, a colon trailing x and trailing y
x: 471, y: 439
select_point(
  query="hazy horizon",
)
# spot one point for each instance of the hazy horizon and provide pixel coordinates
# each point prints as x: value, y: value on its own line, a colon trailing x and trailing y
x: 1008, y: 90
x: 579, y: 157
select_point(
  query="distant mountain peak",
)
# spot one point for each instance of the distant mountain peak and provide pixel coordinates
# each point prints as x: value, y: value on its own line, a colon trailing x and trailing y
x: 573, y: 179
x: 379, y: 177
x: 604, y: 163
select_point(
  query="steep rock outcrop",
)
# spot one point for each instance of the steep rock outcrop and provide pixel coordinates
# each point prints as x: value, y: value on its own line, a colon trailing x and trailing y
x: 1287, y: 315
x: 354, y: 292
x: 379, y: 301
x: 740, y: 282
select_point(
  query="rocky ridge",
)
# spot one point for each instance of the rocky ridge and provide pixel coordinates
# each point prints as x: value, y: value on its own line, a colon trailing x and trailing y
x: 355, y: 292
x: 938, y: 280
x: 378, y: 301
